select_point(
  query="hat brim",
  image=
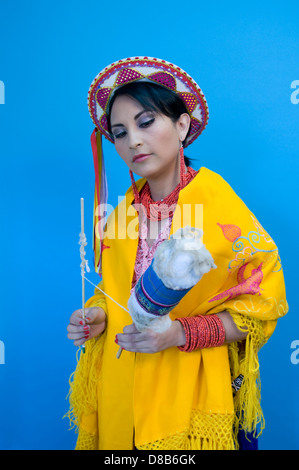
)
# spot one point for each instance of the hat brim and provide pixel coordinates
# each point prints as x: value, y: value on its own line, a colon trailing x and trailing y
x: 152, y: 70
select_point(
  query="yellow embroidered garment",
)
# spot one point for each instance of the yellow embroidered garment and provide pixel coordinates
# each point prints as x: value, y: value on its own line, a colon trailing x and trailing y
x: 173, y: 399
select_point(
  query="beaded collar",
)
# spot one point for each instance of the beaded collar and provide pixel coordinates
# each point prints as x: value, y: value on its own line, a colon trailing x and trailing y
x: 163, y: 209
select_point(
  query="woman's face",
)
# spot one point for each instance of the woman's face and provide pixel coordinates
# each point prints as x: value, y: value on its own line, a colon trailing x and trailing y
x: 148, y: 142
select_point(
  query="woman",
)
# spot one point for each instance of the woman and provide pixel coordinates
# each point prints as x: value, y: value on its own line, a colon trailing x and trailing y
x: 195, y: 386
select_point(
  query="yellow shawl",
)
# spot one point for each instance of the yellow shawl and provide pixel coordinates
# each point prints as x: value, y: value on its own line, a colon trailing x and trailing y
x: 173, y: 399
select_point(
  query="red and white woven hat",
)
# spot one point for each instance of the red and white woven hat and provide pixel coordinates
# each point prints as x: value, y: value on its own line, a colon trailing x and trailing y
x: 101, y: 90
x: 153, y: 70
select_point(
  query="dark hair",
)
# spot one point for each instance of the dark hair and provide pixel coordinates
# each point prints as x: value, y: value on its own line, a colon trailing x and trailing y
x: 154, y: 97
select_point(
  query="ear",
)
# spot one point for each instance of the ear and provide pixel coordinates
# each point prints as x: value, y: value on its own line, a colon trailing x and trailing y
x: 183, y: 125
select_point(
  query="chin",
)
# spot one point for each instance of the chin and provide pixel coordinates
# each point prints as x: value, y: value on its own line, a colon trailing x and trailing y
x: 146, y: 171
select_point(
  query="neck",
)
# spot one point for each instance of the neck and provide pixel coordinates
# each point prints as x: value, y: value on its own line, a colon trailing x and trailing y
x: 162, y: 185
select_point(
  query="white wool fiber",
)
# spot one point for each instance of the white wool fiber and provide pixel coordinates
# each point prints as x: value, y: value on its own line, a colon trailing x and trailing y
x: 181, y: 261
x: 142, y: 319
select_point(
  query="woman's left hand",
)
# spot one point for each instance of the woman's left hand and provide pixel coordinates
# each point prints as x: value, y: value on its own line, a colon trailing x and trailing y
x: 150, y: 341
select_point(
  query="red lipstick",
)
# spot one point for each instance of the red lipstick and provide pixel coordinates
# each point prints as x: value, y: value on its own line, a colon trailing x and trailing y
x: 140, y: 157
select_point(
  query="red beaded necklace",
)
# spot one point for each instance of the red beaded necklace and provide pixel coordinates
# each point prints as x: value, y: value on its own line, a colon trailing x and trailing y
x: 159, y: 210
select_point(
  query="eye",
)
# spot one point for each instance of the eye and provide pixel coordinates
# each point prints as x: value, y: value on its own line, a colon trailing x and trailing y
x: 119, y: 135
x: 147, y: 123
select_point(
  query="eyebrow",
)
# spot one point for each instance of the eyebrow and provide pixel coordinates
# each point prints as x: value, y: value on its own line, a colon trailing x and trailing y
x: 136, y: 117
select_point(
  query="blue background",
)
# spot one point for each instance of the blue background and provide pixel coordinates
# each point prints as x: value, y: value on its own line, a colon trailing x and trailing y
x: 245, y: 56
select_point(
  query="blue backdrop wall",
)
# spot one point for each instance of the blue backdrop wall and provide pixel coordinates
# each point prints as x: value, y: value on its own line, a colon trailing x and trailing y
x: 245, y: 57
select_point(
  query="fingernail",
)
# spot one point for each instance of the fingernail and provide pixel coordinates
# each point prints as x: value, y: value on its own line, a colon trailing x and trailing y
x: 86, y: 328
x: 81, y: 322
x: 116, y: 340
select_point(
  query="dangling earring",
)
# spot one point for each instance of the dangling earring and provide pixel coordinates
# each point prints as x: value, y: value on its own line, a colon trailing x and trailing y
x: 182, y: 168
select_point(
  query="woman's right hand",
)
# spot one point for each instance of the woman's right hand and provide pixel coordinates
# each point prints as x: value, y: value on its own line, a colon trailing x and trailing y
x: 93, y: 325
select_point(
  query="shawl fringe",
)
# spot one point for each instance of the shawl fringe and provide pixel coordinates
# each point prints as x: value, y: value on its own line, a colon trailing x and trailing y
x: 243, y: 357
x: 83, y: 394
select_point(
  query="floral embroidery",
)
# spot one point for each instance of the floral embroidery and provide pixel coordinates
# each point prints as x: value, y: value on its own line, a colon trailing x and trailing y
x: 231, y: 232
x: 261, y: 231
x: 251, y: 285
x: 246, y: 246
x: 268, y: 307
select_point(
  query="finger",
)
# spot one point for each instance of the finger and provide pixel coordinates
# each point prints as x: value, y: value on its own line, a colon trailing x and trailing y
x: 129, y: 340
x: 94, y: 315
x: 130, y: 329
x: 79, y: 342
x: 78, y: 333
x: 83, y: 330
x: 77, y: 318
x: 140, y: 347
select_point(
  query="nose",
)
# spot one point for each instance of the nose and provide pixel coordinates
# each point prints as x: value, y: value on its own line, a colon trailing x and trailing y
x: 135, y: 140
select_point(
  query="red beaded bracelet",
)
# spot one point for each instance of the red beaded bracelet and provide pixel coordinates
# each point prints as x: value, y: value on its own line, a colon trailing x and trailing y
x: 202, y: 331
